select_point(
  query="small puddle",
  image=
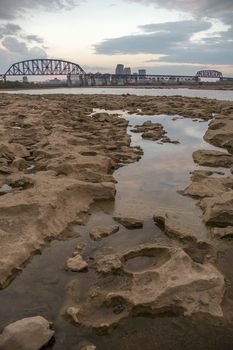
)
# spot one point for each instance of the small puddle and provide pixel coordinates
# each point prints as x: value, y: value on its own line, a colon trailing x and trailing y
x: 143, y: 187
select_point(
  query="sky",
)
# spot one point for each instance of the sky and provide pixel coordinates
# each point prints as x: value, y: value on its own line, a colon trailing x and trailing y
x: 163, y: 36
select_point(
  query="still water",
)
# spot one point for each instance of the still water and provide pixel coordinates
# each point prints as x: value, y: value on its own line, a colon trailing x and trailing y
x: 213, y: 94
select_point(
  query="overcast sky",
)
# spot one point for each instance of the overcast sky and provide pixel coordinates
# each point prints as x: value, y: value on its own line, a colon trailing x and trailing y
x: 163, y: 36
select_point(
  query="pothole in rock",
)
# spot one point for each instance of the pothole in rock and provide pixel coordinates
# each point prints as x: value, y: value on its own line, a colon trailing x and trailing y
x: 146, y: 259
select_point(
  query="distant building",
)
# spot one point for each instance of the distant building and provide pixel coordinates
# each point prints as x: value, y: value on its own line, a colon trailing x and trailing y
x: 142, y: 72
x: 119, y: 69
x: 127, y: 70
x: 25, y: 79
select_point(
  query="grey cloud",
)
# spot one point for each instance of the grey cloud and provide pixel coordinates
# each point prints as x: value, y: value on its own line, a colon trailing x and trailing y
x: 9, y: 9
x: 15, y: 50
x: 9, y: 29
x: 34, y: 38
x: 201, y: 8
x: 163, y: 37
x: 172, y: 39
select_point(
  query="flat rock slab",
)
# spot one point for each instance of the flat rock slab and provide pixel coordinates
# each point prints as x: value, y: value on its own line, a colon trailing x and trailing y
x: 77, y: 264
x: 27, y: 334
x: 213, y: 158
x: 130, y: 223
x: 170, y: 228
x: 103, y: 231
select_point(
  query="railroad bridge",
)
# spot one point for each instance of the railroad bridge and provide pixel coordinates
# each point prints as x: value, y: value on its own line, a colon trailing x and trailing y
x: 43, y: 67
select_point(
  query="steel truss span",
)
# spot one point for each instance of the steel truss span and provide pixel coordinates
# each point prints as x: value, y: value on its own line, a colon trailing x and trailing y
x: 209, y: 74
x: 44, y: 67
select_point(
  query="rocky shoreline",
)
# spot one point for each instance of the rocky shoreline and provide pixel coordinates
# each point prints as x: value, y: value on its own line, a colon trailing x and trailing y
x: 58, y: 154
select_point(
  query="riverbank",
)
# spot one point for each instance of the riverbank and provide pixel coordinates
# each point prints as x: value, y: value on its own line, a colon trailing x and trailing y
x: 57, y: 160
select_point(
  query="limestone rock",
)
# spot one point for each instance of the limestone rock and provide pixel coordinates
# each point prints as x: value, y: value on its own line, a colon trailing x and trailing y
x: 4, y: 189
x: 170, y: 228
x: 218, y: 211
x: 222, y: 232
x: 220, y: 132
x: 103, y: 231
x: 76, y: 264
x: 159, y: 278
x: 107, y: 263
x: 209, y: 187
x: 213, y: 158
x: 27, y: 334
x: 128, y: 222
x: 149, y: 130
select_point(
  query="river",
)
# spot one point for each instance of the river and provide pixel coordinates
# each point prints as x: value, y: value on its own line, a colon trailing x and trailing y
x: 211, y: 94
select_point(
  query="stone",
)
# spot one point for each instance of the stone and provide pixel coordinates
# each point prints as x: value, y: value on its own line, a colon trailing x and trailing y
x: 218, y: 211
x: 85, y: 345
x: 77, y: 264
x: 128, y: 222
x: 170, y: 228
x: 103, y: 231
x: 222, y: 232
x: 213, y: 158
x: 168, y: 280
x: 4, y: 189
x: 107, y: 263
x: 150, y: 131
x: 220, y: 132
x: 208, y: 187
x: 30, y: 333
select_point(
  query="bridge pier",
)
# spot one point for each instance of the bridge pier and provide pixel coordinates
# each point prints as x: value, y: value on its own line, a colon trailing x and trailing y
x: 69, y: 82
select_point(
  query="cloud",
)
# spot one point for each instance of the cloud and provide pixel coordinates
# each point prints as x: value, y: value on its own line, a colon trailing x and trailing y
x: 34, y: 38
x: 9, y: 29
x: 10, y: 9
x: 201, y: 8
x: 14, y: 50
x: 172, y: 41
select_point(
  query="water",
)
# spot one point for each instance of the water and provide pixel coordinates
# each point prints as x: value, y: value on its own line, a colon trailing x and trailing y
x: 153, y: 182
x: 212, y: 94
x: 45, y: 288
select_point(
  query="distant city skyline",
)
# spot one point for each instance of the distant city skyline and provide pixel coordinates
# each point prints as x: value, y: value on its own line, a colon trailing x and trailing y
x: 163, y: 37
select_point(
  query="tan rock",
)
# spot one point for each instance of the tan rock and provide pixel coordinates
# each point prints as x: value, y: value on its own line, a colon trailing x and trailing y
x: 222, y: 232
x: 27, y: 334
x: 213, y: 158
x: 128, y: 222
x: 167, y: 280
x: 103, y: 231
x: 107, y: 263
x: 218, y: 211
x: 77, y: 264
x: 220, y: 132
x: 209, y: 187
x: 170, y: 228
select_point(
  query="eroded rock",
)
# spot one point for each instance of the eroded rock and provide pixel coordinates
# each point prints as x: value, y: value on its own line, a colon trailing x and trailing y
x: 218, y: 211
x: 168, y: 280
x: 108, y: 263
x: 27, y: 334
x: 77, y: 264
x: 130, y: 223
x: 103, y: 231
x: 170, y: 228
x: 213, y: 158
